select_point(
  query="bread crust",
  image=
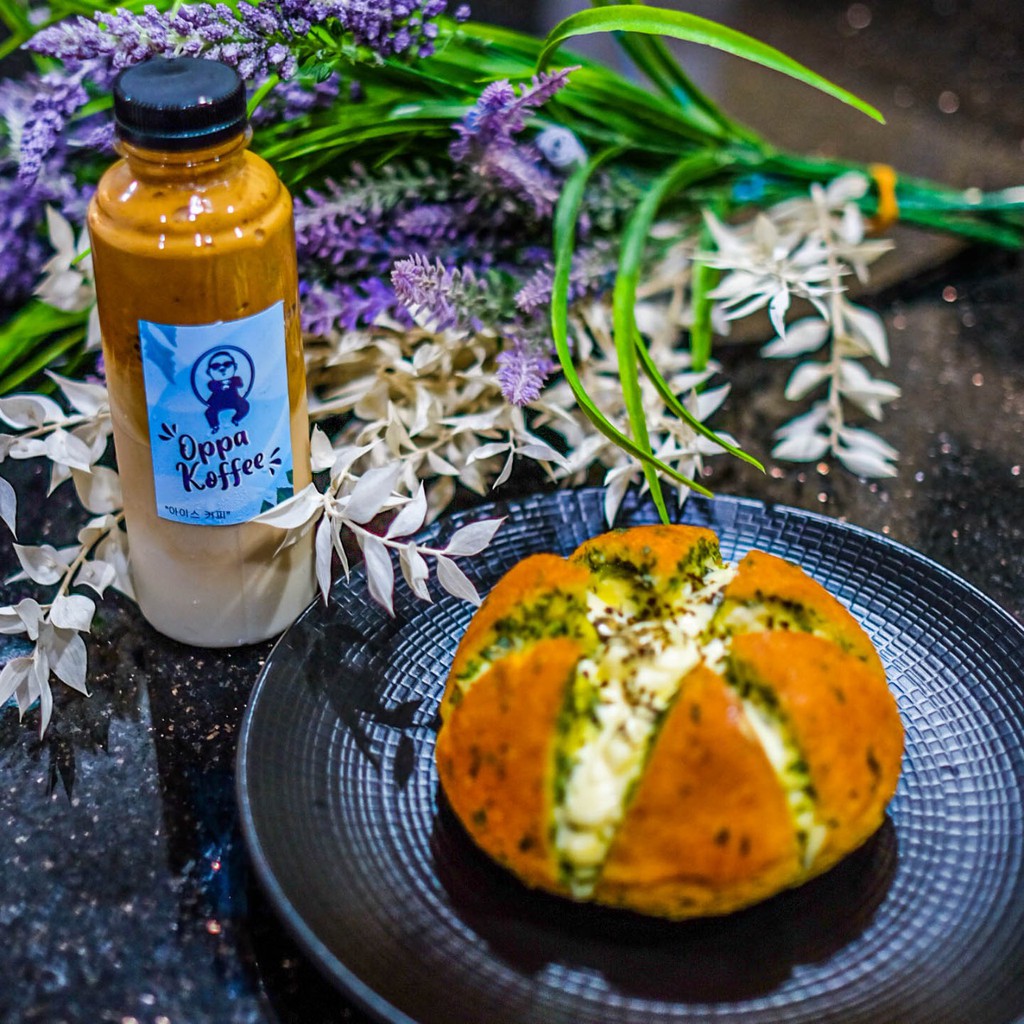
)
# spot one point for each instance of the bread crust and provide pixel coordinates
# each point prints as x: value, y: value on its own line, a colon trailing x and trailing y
x: 846, y: 725
x: 767, y: 578
x: 707, y: 830
x: 495, y: 757
x: 721, y: 815
x: 520, y: 588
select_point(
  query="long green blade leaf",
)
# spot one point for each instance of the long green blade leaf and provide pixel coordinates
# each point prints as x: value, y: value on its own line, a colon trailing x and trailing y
x: 680, y: 410
x: 656, y: 61
x: 41, y: 359
x: 703, y: 282
x: 27, y: 331
x: 566, y: 213
x: 631, y: 254
x: 694, y: 29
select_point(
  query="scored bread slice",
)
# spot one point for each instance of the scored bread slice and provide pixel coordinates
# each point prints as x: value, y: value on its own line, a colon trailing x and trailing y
x: 770, y: 593
x: 495, y: 757
x: 540, y: 597
x: 844, y: 724
x: 648, y: 567
x: 708, y: 828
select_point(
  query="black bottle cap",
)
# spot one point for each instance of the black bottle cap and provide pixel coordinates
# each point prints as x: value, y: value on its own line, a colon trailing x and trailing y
x: 176, y: 103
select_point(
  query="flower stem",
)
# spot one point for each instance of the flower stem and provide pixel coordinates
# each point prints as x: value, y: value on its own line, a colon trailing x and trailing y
x: 835, y: 400
x: 81, y: 558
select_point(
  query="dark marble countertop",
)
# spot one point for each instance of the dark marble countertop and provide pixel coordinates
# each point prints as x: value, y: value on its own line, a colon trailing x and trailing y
x: 126, y: 895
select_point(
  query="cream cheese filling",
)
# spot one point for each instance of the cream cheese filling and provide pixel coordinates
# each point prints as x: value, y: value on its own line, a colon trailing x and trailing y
x: 791, y: 772
x: 620, y: 699
x: 625, y: 693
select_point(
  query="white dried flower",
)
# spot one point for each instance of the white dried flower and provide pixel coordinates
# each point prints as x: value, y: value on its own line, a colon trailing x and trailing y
x: 67, y: 281
x: 804, y: 248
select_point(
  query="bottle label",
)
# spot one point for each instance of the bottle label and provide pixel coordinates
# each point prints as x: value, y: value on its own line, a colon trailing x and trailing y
x: 219, y: 417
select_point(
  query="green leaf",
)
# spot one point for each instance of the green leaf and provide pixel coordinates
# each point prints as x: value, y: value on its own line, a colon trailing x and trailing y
x: 33, y: 338
x: 691, y: 28
x: 921, y: 202
x: 337, y: 138
x: 636, y: 114
x: 680, y: 410
x: 657, y: 62
x: 631, y: 258
x: 261, y: 94
x: 703, y: 282
x: 15, y: 16
x: 42, y: 356
x: 27, y: 333
x: 566, y: 213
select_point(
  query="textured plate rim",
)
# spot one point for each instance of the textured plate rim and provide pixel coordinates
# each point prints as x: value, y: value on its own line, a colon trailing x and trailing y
x: 328, y: 963
x: 362, y: 994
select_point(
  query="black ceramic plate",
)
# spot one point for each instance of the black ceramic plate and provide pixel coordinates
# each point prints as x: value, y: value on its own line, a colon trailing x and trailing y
x: 923, y: 925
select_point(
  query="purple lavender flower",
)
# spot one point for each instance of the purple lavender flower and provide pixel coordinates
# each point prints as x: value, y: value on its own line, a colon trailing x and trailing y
x: 22, y: 251
x: 430, y: 222
x: 55, y: 99
x: 290, y: 100
x: 592, y: 268
x: 456, y: 299
x: 99, y: 374
x: 93, y: 135
x: 320, y: 308
x: 328, y: 307
x: 333, y: 226
x: 364, y: 222
x: 73, y: 41
x: 23, y: 248
x: 535, y: 295
x: 523, y: 367
x: 368, y: 303
x: 258, y: 39
x: 395, y: 27
x: 347, y: 307
x: 255, y: 38
x: 516, y: 169
x: 431, y: 290
x: 485, y: 142
x: 500, y: 113
x: 350, y: 233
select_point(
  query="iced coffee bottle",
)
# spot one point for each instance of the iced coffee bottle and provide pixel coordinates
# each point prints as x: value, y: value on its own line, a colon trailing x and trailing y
x: 194, y: 258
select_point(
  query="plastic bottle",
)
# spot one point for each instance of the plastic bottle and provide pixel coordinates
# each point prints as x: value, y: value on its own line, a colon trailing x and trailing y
x: 194, y: 259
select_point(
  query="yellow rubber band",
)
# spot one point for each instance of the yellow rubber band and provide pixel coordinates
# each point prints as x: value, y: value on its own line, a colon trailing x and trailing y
x: 888, y: 211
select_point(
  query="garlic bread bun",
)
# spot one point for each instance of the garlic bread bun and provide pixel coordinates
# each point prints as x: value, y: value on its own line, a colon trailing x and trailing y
x: 641, y: 725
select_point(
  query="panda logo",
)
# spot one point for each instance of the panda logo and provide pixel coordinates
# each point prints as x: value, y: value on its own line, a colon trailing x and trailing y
x: 222, y: 379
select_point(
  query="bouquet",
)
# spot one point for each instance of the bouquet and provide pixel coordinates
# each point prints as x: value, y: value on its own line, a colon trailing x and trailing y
x: 507, y: 253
